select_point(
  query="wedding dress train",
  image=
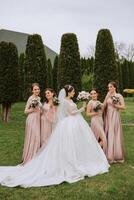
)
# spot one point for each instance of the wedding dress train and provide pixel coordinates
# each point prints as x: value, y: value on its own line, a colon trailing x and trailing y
x: 71, y: 154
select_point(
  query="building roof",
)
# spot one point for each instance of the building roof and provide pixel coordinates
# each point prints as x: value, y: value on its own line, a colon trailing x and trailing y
x: 20, y: 40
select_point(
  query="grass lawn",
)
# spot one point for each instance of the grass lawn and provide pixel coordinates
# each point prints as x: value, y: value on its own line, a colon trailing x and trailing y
x: 118, y: 184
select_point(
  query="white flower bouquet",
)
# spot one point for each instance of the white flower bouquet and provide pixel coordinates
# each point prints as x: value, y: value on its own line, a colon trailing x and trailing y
x: 97, y: 107
x: 83, y: 96
x: 34, y: 103
x: 115, y: 99
x: 55, y: 101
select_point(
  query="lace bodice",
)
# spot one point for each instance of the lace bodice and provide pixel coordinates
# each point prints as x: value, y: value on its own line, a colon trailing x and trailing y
x: 71, y: 108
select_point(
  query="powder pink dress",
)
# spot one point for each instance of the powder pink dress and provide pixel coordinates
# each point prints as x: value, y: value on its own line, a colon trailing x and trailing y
x: 113, y: 130
x: 97, y: 125
x: 48, y: 117
x: 32, y: 132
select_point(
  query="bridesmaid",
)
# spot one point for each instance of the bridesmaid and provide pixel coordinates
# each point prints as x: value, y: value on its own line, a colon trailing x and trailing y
x: 94, y: 110
x: 113, y: 103
x: 32, y: 129
x: 48, y: 116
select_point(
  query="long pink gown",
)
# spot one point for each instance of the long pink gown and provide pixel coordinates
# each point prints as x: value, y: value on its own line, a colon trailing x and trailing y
x: 47, y: 121
x: 113, y: 130
x: 97, y: 124
x: 32, y: 132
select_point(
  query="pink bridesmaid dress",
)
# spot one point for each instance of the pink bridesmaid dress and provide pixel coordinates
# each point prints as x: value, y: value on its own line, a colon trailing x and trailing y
x: 48, y: 117
x: 97, y: 124
x: 32, y: 132
x: 113, y: 130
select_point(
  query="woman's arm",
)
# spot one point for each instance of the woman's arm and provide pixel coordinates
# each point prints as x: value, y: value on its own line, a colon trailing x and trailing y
x: 121, y: 104
x: 105, y: 101
x: 29, y: 110
x: 89, y: 111
x: 76, y: 111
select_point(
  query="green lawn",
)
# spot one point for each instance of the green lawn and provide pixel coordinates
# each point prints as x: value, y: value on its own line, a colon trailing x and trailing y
x: 118, y: 184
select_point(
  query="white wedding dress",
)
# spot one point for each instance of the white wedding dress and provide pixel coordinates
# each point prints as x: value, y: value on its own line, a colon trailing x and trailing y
x: 71, y: 154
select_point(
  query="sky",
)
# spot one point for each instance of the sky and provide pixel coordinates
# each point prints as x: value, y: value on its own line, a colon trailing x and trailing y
x: 52, y: 18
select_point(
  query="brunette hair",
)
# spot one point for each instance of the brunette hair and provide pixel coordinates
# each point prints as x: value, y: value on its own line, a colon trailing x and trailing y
x: 34, y: 84
x: 68, y: 88
x: 94, y: 89
x: 51, y: 90
x: 29, y: 90
x: 114, y: 84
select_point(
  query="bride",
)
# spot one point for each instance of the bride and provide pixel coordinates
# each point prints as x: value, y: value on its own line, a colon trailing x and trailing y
x: 71, y: 154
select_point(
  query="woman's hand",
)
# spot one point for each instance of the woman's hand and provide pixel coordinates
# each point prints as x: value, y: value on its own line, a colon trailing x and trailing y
x: 95, y: 113
x: 36, y: 109
x: 117, y: 106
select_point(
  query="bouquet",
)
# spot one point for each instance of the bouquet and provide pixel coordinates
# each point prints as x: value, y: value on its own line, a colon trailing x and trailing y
x: 97, y: 107
x: 115, y: 99
x: 83, y: 96
x: 55, y: 101
x: 34, y: 103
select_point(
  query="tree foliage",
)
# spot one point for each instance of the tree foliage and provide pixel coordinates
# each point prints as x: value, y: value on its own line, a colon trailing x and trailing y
x: 49, y: 74
x: 35, y: 63
x: 21, y: 76
x: 69, y: 70
x: 9, y: 79
x: 105, y: 67
x: 55, y: 74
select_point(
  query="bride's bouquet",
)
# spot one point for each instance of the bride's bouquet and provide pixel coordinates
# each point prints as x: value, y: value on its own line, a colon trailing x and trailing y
x: 83, y: 96
x: 115, y: 99
x: 34, y: 103
x: 97, y: 107
x: 56, y: 101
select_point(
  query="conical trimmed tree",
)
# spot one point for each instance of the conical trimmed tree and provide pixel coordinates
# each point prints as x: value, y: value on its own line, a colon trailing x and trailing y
x: 55, y: 74
x: 35, y: 63
x: 69, y: 70
x: 9, y: 78
x: 105, y: 67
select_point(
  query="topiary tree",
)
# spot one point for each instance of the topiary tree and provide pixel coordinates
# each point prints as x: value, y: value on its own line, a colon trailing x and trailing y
x: 9, y: 81
x: 84, y: 66
x: 49, y: 74
x: 69, y: 69
x: 105, y: 67
x: 35, y: 63
x: 55, y: 74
